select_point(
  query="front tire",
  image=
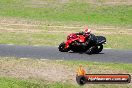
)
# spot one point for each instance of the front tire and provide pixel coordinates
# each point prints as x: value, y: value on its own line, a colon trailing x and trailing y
x: 62, y: 47
x: 100, y: 48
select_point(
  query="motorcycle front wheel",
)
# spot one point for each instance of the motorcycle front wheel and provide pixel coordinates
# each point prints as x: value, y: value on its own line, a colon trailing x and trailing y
x: 62, y: 47
x: 100, y: 48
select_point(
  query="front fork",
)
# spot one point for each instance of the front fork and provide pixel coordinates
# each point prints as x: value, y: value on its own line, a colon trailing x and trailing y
x: 67, y: 45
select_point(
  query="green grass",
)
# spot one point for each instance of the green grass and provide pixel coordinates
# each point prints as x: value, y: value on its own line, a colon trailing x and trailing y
x: 16, y: 64
x: 119, y: 41
x: 99, y: 65
x: 115, y: 41
x: 31, y: 39
x: 7, y: 82
x: 68, y: 12
x: 53, y: 12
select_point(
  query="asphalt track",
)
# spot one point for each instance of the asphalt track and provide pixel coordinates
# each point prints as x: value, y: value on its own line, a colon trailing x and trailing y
x: 47, y: 52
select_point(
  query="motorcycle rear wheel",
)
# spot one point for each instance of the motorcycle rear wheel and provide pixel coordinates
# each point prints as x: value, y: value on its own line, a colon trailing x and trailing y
x: 95, y: 50
x: 89, y: 51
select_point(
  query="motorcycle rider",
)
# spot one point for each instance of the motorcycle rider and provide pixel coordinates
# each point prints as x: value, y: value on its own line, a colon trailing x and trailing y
x: 90, y: 38
x: 86, y: 33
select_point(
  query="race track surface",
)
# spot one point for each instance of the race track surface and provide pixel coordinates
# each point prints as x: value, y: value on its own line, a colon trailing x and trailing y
x: 47, y: 52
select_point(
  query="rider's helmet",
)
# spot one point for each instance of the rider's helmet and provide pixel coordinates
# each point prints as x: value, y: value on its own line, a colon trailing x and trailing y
x: 87, y: 31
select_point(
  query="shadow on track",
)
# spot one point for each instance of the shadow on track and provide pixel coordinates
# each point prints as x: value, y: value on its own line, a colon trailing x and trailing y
x: 84, y: 53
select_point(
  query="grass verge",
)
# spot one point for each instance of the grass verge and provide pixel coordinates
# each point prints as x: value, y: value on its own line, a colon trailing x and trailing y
x: 27, y: 34
x: 68, y: 12
x: 56, y: 16
x: 42, y: 73
x: 8, y: 82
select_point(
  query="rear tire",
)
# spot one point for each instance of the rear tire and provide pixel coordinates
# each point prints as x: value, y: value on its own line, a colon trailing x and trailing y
x: 89, y: 51
x: 95, y: 50
x: 62, y: 47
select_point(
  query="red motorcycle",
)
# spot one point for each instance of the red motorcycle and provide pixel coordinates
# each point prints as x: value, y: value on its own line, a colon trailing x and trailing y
x: 81, y: 43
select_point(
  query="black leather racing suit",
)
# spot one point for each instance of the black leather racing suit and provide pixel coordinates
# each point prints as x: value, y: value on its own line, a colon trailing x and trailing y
x: 91, y: 39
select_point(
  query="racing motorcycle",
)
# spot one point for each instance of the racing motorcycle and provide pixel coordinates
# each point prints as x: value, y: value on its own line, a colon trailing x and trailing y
x: 79, y: 43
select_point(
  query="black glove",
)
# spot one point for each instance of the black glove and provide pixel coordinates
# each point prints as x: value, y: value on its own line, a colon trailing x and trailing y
x: 80, y: 33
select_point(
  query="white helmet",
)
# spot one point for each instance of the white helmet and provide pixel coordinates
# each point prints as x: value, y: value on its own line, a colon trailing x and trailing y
x: 87, y: 31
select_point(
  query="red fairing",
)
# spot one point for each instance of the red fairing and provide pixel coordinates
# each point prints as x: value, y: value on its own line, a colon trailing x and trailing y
x: 73, y: 37
x: 81, y: 38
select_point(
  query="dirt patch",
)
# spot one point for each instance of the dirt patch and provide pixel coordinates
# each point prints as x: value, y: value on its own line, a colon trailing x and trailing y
x: 19, y: 30
x: 46, y: 70
x: 37, y: 3
x: 26, y: 26
x: 109, y: 2
x: 42, y: 70
x: 18, y: 21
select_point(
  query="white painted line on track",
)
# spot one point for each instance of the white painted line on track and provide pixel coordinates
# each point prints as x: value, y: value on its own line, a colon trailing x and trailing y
x: 36, y: 45
x: 41, y: 45
x: 9, y: 44
x: 59, y: 60
x: 107, y: 48
x: 44, y: 59
x: 24, y: 58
